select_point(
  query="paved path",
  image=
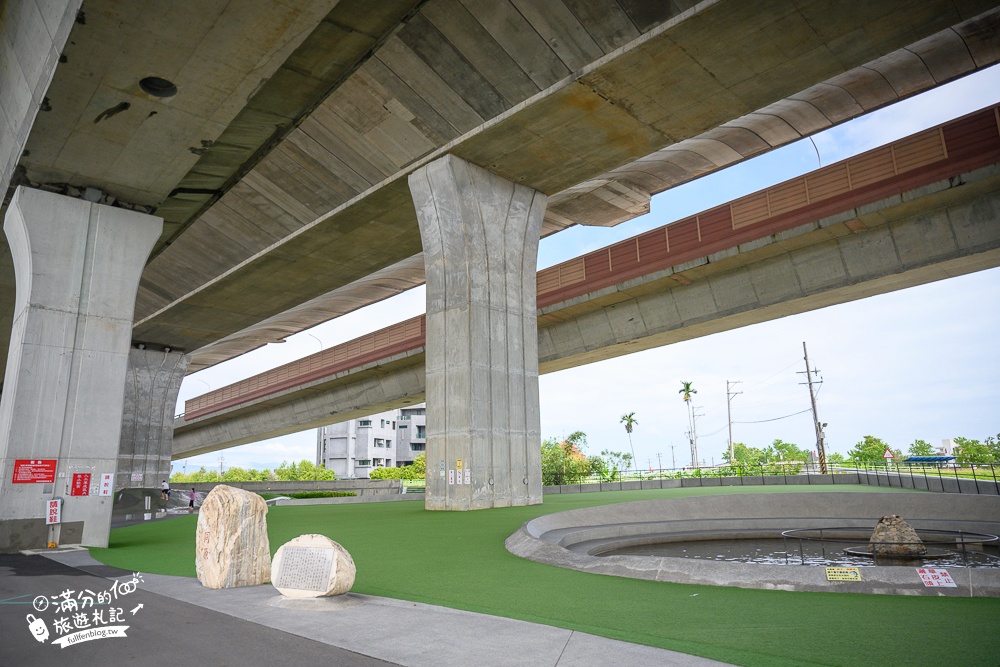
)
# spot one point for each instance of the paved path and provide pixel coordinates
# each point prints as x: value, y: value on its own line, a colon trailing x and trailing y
x: 182, y: 622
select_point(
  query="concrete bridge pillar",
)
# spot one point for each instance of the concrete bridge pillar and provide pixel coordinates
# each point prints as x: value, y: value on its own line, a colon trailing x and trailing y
x: 152, y: 381
x: 480, y: 236
x: 76, y: 267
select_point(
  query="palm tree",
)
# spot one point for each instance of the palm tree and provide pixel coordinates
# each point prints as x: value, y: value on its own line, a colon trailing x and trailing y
x: 630, y: 421
x: 687, y: 389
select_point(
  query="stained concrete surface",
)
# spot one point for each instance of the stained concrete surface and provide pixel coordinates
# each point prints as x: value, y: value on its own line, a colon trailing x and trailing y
x: 164, y: 630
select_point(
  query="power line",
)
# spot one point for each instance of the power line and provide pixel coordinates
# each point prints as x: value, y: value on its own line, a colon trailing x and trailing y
x: 720, y: 430
x: 754, y: 405
x: 761, y: 421
x: 760, y: 382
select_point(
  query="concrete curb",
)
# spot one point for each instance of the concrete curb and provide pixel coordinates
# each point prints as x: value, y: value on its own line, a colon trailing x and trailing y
x: 568, y: 539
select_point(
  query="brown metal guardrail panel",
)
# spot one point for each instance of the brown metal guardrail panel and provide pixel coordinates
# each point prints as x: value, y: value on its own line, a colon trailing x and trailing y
x: 948, y: 149
x: 377, y: 345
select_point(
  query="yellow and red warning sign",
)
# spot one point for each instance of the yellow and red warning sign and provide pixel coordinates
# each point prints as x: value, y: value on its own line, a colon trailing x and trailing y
x: 843, y: 574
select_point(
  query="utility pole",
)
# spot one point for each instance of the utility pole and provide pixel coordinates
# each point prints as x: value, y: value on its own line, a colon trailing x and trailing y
x: 659, y: 460
x: 729, y: 413
x: 673, y: 461
x: 820, y: 445
x: 694, y: 435
x: 222, y: 464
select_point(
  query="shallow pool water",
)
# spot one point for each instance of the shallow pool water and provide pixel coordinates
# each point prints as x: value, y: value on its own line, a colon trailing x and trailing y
x: 779, y: 551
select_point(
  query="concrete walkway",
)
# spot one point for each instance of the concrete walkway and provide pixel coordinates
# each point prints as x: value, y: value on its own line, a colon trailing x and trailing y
x: 349, y: 630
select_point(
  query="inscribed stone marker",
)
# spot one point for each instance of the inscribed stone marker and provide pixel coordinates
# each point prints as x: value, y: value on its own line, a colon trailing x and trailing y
x: 232, y: 547
x: 304, y: 568
x: 312, y: 566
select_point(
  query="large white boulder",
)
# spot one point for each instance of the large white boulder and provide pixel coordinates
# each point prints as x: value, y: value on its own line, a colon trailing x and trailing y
x: 312, y: 566
x: 232, y: 546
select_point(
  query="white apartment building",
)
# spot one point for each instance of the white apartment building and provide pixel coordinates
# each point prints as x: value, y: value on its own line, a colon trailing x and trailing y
x: 411, y: 433
x: 947, y: 447
x: 353, y: 448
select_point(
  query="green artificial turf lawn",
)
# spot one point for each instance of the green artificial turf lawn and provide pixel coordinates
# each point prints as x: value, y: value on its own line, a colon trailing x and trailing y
x: 457, y: 559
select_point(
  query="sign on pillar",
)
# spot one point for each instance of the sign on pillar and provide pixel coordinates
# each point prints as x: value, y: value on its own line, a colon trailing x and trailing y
x: 34, y: 471
x: 53, y: 511
x: 106, y: 484
x: 78, y: 268
x: 80, y: 485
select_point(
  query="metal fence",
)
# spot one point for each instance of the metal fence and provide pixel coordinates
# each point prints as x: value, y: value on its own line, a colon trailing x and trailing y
x: 973, y: 479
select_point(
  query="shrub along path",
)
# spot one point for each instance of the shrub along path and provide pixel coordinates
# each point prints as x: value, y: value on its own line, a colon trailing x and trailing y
x: 457, y: 559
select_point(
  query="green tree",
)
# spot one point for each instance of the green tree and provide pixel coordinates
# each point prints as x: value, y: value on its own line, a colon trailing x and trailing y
x: 870, y: 450
x: 237, y: 474
x: 836, y: 458
x: 786, y: 451
x: 993, y: 444
x: 287, y: 472
x: 563, y: 462
x: 304, y: 470
x: 553, y: 463
x: 744, y: 455
x: 416, y: 470
x: 200, y: 475
x: 612, y: 463
x: 630, y: 422
x: 921, y: 448
x: 419, y: 466
x: 972, y: 451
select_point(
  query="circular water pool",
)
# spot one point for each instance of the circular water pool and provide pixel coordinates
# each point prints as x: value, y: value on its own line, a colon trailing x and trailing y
x: 735, y: 540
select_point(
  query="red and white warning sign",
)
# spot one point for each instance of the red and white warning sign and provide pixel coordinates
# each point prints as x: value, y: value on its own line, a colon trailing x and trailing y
x: 935, y: 577
x: 80, y: 485
x: 888, y: 454
x: 33, y: 471
x: 53, y: 511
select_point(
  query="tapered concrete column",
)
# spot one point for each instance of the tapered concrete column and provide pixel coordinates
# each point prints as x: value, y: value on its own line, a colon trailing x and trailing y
x: 76, y: 267
x: 480, y: 236
x: 152, y: 381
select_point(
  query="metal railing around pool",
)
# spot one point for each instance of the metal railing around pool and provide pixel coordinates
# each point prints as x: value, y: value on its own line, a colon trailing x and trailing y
x: 845, y: 545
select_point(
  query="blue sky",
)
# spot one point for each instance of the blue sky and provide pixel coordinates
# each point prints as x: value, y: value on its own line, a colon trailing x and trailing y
x: 918, y: 363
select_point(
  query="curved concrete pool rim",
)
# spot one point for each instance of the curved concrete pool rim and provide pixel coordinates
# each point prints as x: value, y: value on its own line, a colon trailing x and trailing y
x: 566, y: 539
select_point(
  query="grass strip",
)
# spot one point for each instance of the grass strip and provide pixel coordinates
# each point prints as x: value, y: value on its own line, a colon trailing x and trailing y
x: 457, y: 559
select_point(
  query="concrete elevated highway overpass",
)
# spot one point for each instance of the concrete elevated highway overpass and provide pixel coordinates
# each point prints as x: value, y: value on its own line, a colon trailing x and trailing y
x: 917, y: 210
x: 188, y: 182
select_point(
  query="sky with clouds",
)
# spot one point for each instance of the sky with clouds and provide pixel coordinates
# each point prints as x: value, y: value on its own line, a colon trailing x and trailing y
x: 919, y: 363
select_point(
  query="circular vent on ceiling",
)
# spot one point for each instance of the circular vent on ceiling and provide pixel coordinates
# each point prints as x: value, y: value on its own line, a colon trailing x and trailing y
x: 158, y: 87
